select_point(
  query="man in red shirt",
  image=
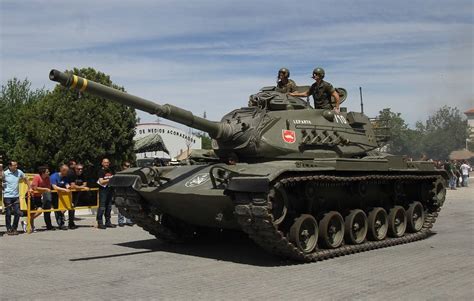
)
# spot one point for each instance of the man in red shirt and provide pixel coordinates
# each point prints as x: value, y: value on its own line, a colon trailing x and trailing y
x: 41, y: 196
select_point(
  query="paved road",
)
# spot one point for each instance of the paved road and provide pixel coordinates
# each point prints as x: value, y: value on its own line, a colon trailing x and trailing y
x: 128, y: 263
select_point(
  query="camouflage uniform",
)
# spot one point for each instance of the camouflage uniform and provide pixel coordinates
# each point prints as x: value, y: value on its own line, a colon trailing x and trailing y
x: 322, y: 94
x: 289, y: 87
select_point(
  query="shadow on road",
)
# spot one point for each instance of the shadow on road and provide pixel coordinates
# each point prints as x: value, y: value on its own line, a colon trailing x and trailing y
x: 235, y: 248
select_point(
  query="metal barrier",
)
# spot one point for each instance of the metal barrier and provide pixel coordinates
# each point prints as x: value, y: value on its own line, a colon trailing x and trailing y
x: 23, y: 189
x: 65, y: 202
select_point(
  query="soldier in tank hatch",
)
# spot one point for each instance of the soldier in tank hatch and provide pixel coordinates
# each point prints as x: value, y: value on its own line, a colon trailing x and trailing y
x: 284, y: 83
x: 321, y: 91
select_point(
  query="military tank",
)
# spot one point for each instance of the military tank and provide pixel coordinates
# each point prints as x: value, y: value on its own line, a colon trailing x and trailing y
x: 303, y: 183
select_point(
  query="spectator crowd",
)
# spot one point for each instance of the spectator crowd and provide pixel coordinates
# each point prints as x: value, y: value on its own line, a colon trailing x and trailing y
x: 70, y: 177
x: 458, y: 172
x: 42, y: 194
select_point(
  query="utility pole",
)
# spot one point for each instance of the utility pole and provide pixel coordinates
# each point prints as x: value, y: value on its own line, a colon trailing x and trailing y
x: 361, y: 101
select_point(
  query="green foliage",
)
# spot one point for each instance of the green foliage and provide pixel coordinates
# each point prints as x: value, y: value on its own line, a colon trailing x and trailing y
x: 206, y: 142
x: 16, y: 96
x: 436, y: 138
x: 66, y: 124
x: 403, y: 140
x: 443, y: 132
x: 470, y: 146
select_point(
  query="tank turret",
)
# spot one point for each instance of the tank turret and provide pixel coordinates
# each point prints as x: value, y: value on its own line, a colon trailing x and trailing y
x: 275, y: 126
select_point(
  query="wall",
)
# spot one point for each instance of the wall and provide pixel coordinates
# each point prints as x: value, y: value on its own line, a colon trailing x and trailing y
x: 175, y: 139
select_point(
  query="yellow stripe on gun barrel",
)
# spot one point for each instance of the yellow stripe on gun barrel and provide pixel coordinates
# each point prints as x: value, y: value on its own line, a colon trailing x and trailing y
x: 84, y: 85
x: 74, y: 81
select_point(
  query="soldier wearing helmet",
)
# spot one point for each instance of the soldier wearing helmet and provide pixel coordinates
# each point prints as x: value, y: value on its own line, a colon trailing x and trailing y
x: 284, y: 83
x: 321, y: 91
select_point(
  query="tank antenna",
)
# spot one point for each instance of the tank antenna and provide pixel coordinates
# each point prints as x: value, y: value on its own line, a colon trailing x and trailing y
x: 361, y: 101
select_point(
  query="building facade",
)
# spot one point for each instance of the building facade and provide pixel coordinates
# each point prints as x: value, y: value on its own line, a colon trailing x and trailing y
x: 176, y: 140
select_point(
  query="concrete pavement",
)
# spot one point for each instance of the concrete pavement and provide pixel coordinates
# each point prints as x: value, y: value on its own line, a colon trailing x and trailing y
x: 128, y: 263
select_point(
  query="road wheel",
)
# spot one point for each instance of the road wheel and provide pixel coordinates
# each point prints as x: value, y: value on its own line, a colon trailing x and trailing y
x: 304, y: 233
x: 397, y: 221
x: 331, y: 230
x: 439, y: 191
x: 415, y: 217
x: 279, y: 202
x: 355, y: 227
x: 378, y: 224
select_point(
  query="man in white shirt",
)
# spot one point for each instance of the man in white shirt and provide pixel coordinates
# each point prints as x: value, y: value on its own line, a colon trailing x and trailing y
x: 465, y: 169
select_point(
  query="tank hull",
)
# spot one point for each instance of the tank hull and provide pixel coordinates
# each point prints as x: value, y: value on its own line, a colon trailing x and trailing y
x: 184, y: 199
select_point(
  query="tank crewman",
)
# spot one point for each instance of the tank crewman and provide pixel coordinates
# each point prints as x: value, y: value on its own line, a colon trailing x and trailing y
x: 284, y: 83
x: 321, y: 92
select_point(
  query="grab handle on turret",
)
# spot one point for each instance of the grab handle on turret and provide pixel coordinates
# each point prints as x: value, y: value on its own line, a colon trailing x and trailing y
x: 216, y: 130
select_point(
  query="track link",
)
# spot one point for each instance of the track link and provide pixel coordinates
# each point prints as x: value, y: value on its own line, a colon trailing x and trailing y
x: 130, y: 204
x: 257, y: 221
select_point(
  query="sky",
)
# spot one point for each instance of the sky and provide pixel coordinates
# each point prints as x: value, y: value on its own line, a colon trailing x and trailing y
x: 209, y: 56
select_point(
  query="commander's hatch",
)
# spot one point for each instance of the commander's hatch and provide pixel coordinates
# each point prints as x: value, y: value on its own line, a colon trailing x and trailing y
x: 275, y: 101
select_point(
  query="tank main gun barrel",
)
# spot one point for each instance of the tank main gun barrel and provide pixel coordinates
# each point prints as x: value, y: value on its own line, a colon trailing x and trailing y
x: 216, y: 130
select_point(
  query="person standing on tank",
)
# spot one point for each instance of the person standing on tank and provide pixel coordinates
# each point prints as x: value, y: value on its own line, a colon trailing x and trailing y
x: 105, y: 196
x: 284, y: 83
x: 322, y: 91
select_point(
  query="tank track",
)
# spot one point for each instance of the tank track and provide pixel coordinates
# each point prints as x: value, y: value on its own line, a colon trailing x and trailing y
x: 257, y: 221
x: 129, y: 203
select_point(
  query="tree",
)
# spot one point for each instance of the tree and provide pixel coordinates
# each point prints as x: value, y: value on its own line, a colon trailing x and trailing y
x: 403, y: 140
x: 68, y: 124
x: 443, y: 132
x: 206, y: 141
x: 16, y: 96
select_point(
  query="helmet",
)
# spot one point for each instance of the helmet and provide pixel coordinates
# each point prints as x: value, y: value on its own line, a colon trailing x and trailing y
x: 319, y: 71
x: 285, y: 72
